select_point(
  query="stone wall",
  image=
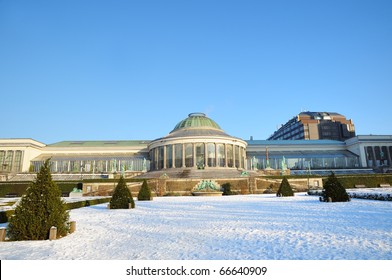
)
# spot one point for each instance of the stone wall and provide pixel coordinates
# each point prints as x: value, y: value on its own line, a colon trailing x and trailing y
x: 246, y: 185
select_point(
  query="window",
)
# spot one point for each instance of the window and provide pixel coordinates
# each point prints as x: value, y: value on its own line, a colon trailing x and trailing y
x: 18, y: 161
x: 2, y: 160
x: 160, y: 156
x: 221, y: 155
x: 237, y: 156
x: 178, y: 155
x: 169, y: 156
x: 8, y: 160
x: 188, y: 155
x: 211, y: 154
x: 230, y: 155
x: 200, y: 155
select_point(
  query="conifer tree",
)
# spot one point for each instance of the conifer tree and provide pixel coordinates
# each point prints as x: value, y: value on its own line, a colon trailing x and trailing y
x: 39, y: 209
x: 334, y: 190
x: 145, y: 192
x: 121, y: 196
x: 285, y: 188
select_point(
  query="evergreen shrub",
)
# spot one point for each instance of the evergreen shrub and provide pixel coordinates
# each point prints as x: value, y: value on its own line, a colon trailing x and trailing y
x: 39, y: 209
x: 121, y: 196
x: 334, y: 191
x: 145, y: 192
x: 285, y: 188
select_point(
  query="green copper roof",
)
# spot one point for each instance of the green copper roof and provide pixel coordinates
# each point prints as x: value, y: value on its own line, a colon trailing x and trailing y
x: 195, y: 120
x: 109, y: 143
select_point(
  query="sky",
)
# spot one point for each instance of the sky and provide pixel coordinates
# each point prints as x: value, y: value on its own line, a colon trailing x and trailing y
x: 131, y: 70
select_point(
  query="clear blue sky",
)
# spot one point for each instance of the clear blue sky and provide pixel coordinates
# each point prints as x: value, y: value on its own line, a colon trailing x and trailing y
x: 118, y: 70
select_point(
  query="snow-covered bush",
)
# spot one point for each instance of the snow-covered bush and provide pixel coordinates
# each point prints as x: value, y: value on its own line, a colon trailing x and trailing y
x: 145, y: 192
x: 39, y: 209
x: 121, y: 197
x: 285, y: 188
x: 334, y: 191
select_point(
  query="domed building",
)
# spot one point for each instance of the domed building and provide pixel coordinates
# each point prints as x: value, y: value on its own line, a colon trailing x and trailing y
x: 197, y: 143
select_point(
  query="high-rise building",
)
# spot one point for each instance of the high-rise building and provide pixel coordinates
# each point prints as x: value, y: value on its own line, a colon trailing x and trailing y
x: 314, y: 126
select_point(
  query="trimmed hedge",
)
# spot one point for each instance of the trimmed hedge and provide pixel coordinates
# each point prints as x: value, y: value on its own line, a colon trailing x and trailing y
x: 370, y: 181
x: 20, y: 188
x: 86, y: 203
x: 5, y: 215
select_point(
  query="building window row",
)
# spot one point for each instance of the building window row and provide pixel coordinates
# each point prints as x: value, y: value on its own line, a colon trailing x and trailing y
x: 304, y: 163
x: 197, y: 155
x: 94, y: 166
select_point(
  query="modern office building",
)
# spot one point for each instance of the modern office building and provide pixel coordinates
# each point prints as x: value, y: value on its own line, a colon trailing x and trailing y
x: 316, y: 126
x: 196, y: 144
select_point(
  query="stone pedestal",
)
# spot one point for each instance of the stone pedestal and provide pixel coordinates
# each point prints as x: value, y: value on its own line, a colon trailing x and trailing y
x: 72, y: 227
x: 2, y: 234
x: 53, y: 233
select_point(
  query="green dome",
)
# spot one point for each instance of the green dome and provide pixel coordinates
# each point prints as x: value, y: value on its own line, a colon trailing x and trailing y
x: 196, y: 120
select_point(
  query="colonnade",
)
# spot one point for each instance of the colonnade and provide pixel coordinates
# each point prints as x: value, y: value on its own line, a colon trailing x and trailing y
x: 198, y: 155
x: 378, y: 155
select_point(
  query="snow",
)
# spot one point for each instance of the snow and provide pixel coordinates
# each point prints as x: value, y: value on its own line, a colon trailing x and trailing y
x: 249, y: 227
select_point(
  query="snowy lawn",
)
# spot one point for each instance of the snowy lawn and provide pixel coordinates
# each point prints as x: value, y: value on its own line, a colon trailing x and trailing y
x: 230, y: 227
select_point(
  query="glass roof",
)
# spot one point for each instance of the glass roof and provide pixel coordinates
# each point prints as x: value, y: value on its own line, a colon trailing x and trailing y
x: 196, y: 120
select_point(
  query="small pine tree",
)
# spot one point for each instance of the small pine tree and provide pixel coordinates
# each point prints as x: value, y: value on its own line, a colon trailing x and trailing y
x: 145, y: 192
x: 121, y: 196
x: 285, y: 188
x: 39, y: 210
x: 334, y: 190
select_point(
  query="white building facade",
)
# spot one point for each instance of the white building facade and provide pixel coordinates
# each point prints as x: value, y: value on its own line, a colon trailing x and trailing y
x: 196, y: 142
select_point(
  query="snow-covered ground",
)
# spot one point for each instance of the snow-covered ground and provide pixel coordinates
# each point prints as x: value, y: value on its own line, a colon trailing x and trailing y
x: 215, y: 228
